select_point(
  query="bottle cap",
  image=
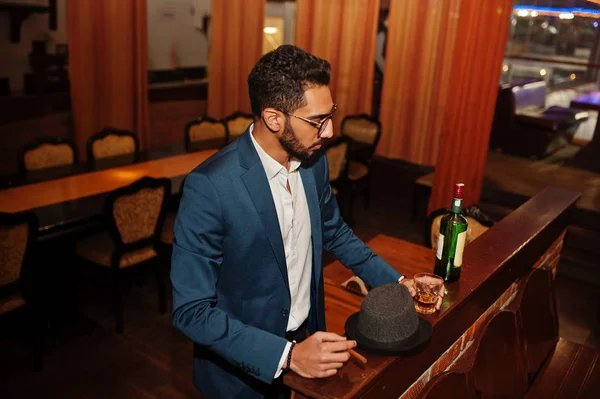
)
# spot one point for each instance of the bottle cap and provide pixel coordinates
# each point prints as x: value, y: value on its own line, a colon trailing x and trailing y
x: 459, y: 189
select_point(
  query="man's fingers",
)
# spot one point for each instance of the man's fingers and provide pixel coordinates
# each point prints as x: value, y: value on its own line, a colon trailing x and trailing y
x: 323, y: 336
x: 336, y: 357
x: 439, y: 303
x: 331, y: 366
x: 339, y: 346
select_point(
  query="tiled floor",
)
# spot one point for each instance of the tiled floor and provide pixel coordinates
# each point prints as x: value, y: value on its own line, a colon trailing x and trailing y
x: 152, y: 360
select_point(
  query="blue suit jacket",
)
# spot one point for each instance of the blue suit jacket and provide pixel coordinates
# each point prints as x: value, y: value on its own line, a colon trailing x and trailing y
x: 230, y: 283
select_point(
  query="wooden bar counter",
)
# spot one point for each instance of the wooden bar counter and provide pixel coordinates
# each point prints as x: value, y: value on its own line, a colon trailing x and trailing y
x: 529, y: 237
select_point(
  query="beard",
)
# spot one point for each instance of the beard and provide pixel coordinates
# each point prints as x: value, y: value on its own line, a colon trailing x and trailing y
x: 292, y: 145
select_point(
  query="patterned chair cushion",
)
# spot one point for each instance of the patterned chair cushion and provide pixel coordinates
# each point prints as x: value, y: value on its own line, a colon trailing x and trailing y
x: 335, y: 157
x: 100, y: 247
x: 136, y: 215
x: 357, y: 170
x: 238, y: 126
x: 113, y: 145
x: 474, y: 230
x: 361, y: 130
x: 166, y: 235
x: 48, y: 156
x: 13, y: 243
x: 206, y: 131
x: 11, y: 303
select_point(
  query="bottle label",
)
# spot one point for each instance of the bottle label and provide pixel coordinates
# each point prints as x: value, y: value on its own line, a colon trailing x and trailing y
x: 460, y: 247
x: 440, y: 246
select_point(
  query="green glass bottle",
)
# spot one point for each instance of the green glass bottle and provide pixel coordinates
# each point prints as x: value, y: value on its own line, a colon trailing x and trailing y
x: 451, y: 242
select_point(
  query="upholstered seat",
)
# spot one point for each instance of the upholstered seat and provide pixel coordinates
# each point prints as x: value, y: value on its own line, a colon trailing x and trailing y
x: 17, y: 236
x: 237, y: 124
x: 167, y: 234
x: 100, y: 248
x: 135, y: 216
x: 205, y: 133
x: 47, y: 152
x: 357, y: 170
x: 10, y: 303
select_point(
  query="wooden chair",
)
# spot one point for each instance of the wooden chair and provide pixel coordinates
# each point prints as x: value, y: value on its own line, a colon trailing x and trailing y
x: 17, y: 239
x: 499, y: 369
x: 135, y: 215
x: 205, y: 133
x: 237, y: 124
x: 449, y: 385
x: 337, y: 158
x: 47, y: 152
x: 479, y: 223
x: 364, y: 133
x: 557, y: 368
x: 112, y: 143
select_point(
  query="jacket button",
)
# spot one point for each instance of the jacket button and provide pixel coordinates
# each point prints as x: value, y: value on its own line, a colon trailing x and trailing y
x: 284, y: 312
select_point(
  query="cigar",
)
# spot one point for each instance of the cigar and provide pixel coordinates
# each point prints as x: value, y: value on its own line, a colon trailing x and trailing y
x: 357, y: 356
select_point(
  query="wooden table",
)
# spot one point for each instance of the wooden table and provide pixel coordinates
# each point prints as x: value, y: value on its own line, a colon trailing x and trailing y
x: 491, y: 265
x: 65, y: 200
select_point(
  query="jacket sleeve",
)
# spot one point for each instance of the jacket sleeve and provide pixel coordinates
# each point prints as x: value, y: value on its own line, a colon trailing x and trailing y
x: 341, y: 241
x: 195, y: 267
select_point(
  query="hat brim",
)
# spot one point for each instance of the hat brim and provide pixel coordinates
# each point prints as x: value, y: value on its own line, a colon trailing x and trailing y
x: 412, y: 344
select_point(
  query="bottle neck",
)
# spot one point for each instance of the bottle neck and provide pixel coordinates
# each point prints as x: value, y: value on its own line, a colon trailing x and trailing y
x: 456, y: 205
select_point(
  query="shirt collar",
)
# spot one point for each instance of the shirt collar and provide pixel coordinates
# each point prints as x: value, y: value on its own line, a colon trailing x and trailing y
x: 271, y: 166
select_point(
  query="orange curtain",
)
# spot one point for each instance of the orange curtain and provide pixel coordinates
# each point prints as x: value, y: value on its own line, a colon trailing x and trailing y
x: 482, y: 30
x: 342, y: 32
x: 235, y: 46
x: 108, y: 67
x: 419, y: 56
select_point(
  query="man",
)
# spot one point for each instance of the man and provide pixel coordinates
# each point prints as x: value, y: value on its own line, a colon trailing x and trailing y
x: 253, y: 221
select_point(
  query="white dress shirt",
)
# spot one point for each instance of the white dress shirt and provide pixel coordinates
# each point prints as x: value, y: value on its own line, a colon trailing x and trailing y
x: 294, y: 223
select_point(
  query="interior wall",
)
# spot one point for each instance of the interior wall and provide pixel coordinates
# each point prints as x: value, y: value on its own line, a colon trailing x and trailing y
x: 15, y: 56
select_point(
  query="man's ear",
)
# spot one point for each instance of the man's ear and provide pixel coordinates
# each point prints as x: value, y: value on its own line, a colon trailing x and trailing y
x: 273, y: 119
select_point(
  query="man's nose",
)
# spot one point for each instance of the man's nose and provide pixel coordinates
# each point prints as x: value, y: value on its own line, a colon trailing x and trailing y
x: 328, y: 132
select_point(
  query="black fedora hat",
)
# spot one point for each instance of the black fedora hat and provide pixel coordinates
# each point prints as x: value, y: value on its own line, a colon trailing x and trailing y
x: 387, y: 322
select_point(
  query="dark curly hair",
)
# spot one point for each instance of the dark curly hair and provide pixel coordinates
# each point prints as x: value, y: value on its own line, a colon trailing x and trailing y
x: 280, y: 78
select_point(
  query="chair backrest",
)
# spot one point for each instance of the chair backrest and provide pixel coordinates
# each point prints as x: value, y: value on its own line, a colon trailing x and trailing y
x: 111, y: 142
x: 478, y: 224
x: 530, y: 95
x: 362, y: 129
x: 499, y: 365
x: 237, y: 124
x: 205, y: 133
x: 448, y: 385
x: 337, y: 157
x: 17, y: 235
x: 47, y: 152
x: 535, y: 305
x: 137, y: 212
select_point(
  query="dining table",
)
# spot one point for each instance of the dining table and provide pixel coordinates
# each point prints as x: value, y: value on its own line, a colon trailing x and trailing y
x: 66, y: 204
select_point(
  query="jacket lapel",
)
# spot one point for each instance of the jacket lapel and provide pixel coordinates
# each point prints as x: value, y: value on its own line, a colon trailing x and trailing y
x: 258, y: 187
x: 312, y: 198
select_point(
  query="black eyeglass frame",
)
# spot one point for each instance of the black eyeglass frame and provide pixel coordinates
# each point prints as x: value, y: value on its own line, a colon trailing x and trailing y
x: 319, y: 125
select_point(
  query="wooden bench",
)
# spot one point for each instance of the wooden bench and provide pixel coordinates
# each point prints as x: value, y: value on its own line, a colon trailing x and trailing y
x: 519, y: 354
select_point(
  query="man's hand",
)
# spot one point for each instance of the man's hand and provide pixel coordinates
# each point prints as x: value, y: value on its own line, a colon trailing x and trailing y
x: 321, y: 355
x: 410, y: 284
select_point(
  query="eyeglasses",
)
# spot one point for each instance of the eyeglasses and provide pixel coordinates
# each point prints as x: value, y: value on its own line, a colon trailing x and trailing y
x: 319, y: 125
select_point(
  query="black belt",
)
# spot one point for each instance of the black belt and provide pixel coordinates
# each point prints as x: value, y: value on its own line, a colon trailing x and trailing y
x: 297, y: 335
